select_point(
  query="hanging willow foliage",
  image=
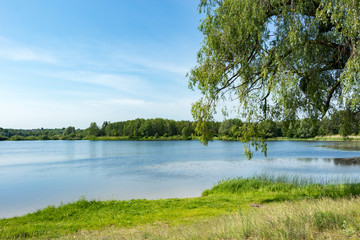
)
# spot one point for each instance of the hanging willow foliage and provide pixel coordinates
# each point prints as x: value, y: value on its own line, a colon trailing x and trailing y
x: 277, y: 59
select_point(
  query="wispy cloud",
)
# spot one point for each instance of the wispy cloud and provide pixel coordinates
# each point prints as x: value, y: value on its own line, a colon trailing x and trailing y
x: 61, y: 73
x: 156, y: 65
x: 126, y: 83
x: 12, y: 51
x: 119, y: 102
x: 119, y: 109
x: 26, y: 54
x: 145, y: 64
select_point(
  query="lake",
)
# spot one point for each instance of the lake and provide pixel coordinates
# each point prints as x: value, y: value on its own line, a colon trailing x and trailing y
x: 35, y: 174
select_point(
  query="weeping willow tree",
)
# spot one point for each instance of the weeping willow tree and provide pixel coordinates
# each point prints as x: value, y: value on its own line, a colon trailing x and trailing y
x: 276, y: 59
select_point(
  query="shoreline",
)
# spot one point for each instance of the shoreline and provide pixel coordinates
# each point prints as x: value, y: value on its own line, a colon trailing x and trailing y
x: 231, y: 197
x: 182, y: 138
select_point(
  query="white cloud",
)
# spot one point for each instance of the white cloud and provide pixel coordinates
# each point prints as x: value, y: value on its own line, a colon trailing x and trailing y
x: 118, y: 102
x: 125, y: 109
x: 145, y: 60
x: 26, y: 54
x: 126, y: 83
x: 12, y: 51
x: 152, y: 64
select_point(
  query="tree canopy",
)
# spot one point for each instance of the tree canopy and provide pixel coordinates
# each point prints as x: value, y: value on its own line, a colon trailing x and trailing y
x: 277, y: 59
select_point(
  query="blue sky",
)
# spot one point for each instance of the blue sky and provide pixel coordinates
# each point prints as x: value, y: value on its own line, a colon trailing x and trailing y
x: 68, y: 63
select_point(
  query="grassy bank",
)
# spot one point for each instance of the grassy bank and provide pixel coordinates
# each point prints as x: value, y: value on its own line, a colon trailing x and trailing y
x: 306, y: 219
x: 225, y: 200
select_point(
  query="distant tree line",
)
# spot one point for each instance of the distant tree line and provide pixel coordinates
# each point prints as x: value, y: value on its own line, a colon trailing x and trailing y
x: 131, y: 129
x: 140, y: 128
x: 341, y: 122
x: 30, y: 134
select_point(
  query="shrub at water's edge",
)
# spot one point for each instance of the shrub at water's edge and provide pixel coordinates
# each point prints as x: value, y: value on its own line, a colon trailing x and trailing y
x: 2, y: 138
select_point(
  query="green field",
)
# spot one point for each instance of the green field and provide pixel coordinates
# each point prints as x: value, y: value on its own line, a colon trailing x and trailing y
x: 217, y: 211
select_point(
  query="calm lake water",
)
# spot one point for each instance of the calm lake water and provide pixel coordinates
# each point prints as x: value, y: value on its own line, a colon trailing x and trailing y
x: 35, y: 174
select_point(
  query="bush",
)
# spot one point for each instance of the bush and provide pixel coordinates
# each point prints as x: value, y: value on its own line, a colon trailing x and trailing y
x: 3, y: 138
x: 17, y: 138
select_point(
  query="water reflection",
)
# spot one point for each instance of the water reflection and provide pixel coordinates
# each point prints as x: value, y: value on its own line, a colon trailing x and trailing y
x: 346, y: 145
x: 347, y: 161
x: 337, y: 161
x: 307, y: 159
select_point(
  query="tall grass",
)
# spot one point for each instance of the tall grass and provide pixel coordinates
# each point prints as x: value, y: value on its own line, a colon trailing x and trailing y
x: 306, y: 219
x: 284, y: 187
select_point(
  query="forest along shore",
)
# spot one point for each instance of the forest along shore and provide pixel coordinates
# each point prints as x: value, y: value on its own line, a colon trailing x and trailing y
x: 328, y: 129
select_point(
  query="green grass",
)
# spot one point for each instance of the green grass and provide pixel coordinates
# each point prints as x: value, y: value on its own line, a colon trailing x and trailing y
x: 271, y: 188
x: 226, y: 198
x: 94, y: 215
x: 323, y: 218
